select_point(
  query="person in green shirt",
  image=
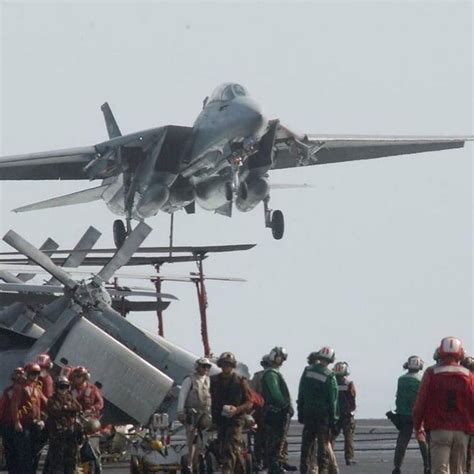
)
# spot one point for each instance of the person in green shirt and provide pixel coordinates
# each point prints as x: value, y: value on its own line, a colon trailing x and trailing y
x: 407, y: 390
x: 278, y: 412
x: 318, y: 412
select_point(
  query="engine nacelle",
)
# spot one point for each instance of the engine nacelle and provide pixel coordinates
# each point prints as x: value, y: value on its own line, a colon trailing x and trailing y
x: 182, y: 193
x: 211, y: 192
x: 257, y: 190
x: 152, y: 200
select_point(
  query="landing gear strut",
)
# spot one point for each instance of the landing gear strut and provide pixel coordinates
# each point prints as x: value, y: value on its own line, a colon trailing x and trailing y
x: 274, y: 220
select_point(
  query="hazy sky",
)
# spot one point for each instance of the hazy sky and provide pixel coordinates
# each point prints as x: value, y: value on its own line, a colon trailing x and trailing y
x: 377, y: 256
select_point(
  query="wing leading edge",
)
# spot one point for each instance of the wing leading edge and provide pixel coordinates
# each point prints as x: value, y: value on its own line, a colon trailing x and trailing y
x: 293, y: 150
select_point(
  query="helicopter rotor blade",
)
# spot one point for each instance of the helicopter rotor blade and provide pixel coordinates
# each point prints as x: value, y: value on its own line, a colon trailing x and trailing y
x: 23, y: 246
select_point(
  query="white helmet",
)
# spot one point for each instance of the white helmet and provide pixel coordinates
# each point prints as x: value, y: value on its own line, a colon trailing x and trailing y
x: 327, y: 353
x: 341, y: 368
x: 278, y: 351
x: 451, y: 347
x: 202, y: 362
x: 414, y: 363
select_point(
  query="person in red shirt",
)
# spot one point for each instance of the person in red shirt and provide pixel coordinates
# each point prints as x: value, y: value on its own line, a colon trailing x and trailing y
x: 45, y: 379
x: 445, y: 407
x: 26, y: 403
x: 6, y: 421
x: 86, y: 393
x: 92, y: 403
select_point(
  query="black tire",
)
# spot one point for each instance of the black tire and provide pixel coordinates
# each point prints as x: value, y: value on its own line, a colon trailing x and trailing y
x: 120, y: 233
x: 243, y: 191
x: 229, y: 192
x: 278, y: 225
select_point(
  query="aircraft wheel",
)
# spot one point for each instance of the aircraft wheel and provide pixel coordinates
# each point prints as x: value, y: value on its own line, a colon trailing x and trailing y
x: 277, y: 225
x: 120, y: 233
x: 243, y: 191
x: 229, y: 192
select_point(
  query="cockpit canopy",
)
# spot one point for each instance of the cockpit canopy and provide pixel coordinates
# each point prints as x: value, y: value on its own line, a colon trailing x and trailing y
x: 227, y: 91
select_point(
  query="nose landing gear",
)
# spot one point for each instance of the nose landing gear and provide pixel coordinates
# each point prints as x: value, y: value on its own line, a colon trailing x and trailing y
x: 274, y: 220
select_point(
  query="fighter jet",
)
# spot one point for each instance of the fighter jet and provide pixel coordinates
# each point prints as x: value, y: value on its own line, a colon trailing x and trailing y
x: 223, y: 160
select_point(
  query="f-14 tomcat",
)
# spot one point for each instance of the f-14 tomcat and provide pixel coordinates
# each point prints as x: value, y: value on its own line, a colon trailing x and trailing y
x: 224, y: 159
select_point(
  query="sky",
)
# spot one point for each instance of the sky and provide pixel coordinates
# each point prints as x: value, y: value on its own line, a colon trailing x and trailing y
x: 376, y: 260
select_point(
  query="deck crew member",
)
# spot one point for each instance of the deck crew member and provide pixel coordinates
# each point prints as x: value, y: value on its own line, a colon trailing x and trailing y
x: 407, y: 389
x: 86, y: 393
x: 230, y: 400
x: 63, y: 430
x: 6, y: 421
x: 26, y: 405
x: 194, y: 407
x: 92, y: 404
x: 259, y: 438
x: 347, y: 406
x: 445, y: 406
x: 278, y: 412
x: 45, y: 378
x: 317, y: 410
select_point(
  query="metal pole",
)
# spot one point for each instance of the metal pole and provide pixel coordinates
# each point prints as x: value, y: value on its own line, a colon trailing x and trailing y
x: 159, y: 312
x: 202, y: 299
x: 171, y: 233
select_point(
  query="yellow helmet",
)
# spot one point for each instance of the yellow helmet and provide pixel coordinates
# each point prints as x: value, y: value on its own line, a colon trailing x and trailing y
x: 156, y: 444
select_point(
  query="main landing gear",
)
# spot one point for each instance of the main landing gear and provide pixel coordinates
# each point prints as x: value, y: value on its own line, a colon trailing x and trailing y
x: 274, y: 220
x: 120, y: 233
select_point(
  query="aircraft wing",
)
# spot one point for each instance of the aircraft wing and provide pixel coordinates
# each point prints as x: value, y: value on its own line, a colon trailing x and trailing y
x: 58, y: 164
x: 293, y: 150
x: 73, y: 163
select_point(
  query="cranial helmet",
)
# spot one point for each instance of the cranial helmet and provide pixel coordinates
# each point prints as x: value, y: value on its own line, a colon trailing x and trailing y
x: 278, y: 351
x: 451, y: 347
x: 342, y: 369
x: 202, y: 362
x: 44, y: 361
x: 18, y: 373
x: 227, y: 358
x: 312, y: 357
x: 80, y: 371
x: 265, y: 362
x: 91, y: 425
x: 327, y: 354
x: 414, y: 363
x: 32, y: 368
x: 468, y: 362
x: 62, y: 381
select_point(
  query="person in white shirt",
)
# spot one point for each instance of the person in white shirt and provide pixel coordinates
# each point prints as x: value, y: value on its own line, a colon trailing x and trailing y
x: 194, y: 407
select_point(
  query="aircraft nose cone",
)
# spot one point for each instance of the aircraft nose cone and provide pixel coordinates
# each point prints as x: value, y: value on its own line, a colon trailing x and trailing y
x: 252, y: 118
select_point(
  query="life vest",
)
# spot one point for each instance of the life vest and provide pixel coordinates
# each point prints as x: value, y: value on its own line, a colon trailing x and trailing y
x: 199, y: 395
x: 346, y: 398
x: 89, y: 398
x: 227, y: 391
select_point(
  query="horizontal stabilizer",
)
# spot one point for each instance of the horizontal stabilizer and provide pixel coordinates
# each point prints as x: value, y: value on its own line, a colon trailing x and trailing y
x: 79, y: 197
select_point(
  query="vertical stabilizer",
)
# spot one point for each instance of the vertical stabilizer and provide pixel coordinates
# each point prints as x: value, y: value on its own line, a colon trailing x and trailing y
x: 112, y: 127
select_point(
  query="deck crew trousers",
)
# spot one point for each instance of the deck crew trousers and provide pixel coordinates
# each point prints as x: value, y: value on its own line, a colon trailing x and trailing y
x: 317, y: 429
x: 448, y: 451
x: 404, y: 436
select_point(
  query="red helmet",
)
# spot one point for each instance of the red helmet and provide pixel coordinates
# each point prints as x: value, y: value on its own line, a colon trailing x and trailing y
x: 17, y: 373
x: 451, y: 347
x: 44, y: 361
x: 32, y: 368
x: 79, y: 371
